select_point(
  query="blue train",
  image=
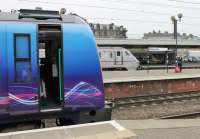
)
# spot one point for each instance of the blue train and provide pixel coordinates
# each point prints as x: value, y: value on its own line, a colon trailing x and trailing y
x: 49, y: 66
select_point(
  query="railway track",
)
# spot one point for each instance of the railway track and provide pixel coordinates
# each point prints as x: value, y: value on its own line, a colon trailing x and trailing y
x: 154, y: 99
x: 182, y: 116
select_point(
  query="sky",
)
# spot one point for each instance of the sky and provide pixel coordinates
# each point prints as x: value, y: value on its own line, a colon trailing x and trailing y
x: 138, y: 16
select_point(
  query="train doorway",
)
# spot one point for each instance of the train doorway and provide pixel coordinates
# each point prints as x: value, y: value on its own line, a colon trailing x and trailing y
x: 118, y: 58
x: 50, y: 65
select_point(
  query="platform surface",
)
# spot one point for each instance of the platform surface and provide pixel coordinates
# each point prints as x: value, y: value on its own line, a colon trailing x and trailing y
x: 120, y: 129
x: 144, y: 75
x: 101, y: 130
x: 170, y: 133
x: 159, y: 124
x: 163, y: 129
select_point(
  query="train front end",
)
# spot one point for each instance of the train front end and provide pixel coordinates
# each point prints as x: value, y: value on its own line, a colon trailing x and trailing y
x: 51, y: 67
x: 83, y: 83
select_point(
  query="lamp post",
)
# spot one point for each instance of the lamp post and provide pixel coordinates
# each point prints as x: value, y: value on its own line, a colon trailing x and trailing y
x: 175, y: 21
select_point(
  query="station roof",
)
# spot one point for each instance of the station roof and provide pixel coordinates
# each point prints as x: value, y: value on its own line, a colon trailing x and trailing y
x: 145, y: 42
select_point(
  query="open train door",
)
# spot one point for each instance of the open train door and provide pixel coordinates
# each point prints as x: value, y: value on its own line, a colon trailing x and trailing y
x: 23, y: 68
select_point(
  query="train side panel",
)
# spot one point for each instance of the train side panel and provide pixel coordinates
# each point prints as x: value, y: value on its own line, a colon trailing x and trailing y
x: 83, y: 84
x: 4, y: 100
x: 22, y: 68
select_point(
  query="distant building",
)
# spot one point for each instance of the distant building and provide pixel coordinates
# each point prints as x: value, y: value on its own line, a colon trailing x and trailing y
x: 108, y: 30
x: 167, y: 35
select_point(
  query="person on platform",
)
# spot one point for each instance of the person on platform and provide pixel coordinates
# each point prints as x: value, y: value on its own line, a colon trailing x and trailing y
x: 179, y: 63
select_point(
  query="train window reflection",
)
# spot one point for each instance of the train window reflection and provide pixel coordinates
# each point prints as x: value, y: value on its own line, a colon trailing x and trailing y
x: 23, y: 72
x: 22, y: 50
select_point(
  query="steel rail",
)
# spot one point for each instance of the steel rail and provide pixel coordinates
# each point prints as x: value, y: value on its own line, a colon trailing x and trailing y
x: 152, y: 99
x: 182, y: 116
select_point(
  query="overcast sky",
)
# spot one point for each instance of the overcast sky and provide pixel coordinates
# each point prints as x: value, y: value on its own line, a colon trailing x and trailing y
x: 138, y: 16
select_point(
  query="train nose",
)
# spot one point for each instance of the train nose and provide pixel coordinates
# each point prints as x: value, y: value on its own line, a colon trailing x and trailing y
x: 138, y: 65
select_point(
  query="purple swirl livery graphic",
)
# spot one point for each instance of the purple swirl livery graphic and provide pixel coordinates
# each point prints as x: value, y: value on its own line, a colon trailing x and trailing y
x: 83, y: 94
x: 26, y: 99
x: 25, y: 95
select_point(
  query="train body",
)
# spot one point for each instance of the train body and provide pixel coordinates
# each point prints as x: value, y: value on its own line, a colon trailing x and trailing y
x: 49, y: 66
x: 113, y: 58
x: 193, y: 56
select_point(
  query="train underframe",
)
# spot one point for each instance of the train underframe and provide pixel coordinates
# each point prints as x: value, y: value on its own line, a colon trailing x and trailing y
x: 62, y: 118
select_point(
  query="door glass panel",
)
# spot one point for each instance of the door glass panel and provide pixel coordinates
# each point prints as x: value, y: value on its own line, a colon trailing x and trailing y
x: 23, y: 71
x: 22, y: 58
x: 23, y: 87
x: 22, y: 46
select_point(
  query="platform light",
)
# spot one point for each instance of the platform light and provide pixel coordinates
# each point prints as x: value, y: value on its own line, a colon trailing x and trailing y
x: 175, y: 22
x: 63, y: 11
x: 173, y: 18
x: 180, y: 15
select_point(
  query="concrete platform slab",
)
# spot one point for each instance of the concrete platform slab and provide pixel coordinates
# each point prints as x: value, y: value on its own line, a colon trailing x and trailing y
x: 106, y: 135
x: 125, y: 134
x: 99, y: 130
x: 159, y: 124
x: 163, y: 129
x: 170, y: 133
x: 91, y: 130
x: 121, y: 129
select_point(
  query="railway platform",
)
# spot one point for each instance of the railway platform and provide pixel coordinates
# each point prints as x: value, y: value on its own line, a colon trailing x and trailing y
x: 101, y: 130
x: 120, y: 129
x: 148, y: 75
x: 163, y: 129
x: 143, y: 82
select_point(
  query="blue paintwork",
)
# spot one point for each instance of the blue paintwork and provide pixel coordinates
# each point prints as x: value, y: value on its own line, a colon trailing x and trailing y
x: 3, y: 70
x: 83, y: 85
x: 82, y: 78
x: 23, y: 96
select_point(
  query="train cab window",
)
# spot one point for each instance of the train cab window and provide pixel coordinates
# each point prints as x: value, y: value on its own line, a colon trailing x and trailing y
x: 100, y: 54
x: 127, y: 54
x: 118, y: 53
x: 22, y: 58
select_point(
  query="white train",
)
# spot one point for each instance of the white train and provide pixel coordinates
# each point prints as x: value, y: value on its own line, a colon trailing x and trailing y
x: 117, y: 58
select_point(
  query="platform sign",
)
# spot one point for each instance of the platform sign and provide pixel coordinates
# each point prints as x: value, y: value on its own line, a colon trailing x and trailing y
x: 157, y: 49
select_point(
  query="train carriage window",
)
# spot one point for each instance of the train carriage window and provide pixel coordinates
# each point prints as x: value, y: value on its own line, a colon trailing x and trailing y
x: 118, y: 53
x: 22, y: 58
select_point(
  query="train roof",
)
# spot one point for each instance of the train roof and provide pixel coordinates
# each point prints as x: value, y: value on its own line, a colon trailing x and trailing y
x: 41, y: 16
